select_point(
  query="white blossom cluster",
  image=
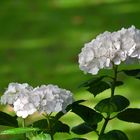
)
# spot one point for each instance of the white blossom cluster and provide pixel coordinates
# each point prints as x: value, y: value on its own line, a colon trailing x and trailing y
x: 110, y: 48
x: 51, y: 98
x: 26, y: 100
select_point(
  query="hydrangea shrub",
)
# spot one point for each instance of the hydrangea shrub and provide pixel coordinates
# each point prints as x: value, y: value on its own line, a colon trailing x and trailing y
x: 106, y: 51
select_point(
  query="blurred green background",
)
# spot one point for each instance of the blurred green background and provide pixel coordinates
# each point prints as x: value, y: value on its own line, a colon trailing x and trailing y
x: 40, y: 41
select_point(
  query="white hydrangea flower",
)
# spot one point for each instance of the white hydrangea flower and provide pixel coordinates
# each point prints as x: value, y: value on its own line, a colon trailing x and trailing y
x: 23, y: 105
x: 124, y: 37
x: 110, y: 48
x: 98, y: 53
x: 26, y: 100
x: 129, y: 40
x: 136, y: 52
x: 51, y: 98
x: 13, y: 91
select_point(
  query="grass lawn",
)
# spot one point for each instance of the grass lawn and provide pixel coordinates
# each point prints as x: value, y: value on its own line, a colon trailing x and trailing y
x: 40, y: 42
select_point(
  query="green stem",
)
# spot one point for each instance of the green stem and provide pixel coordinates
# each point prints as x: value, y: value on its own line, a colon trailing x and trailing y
x: 49, y: 126
x: 104, y: 126
x: 23, y: 125
x: 52, y: 137
x: 115, y: 68
x: 112, y: 94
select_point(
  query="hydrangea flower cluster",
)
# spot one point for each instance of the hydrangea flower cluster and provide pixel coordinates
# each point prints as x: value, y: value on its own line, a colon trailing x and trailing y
x: 51, y: 98
x: 26, y: 100
x: 110, y: 48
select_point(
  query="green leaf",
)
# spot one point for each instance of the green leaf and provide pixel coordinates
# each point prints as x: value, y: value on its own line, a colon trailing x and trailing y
x: 69, y: 107
x: 8, y: 120
x: 77, y: 139
x: 56, y: 126
x: 18, y: 130
x: 130, y: 115
x: 91, y: 81
x: 114, y: 104
x: 98, y: 87
x: 83, y: 128
x: 42, y: 124
x: 78, y: 102
x: 118, y: 83
x: 41, y: 137
x: 134, y: 72
x: 114, y: 135
x: 89, y: 115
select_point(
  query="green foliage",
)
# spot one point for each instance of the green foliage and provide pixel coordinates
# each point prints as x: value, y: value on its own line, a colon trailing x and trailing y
x: 69, y: 107
x: 41, y: 137
x: 113, y: 104
x: 134, y: 73
x: 130, y: 115
x: 77, y: 139
x: 92, y: 81
x: 89, y: 115
x: 18, y: 130
x: 96, y: 85
x: 55, y: 126
x: 58, y: 126
x: 41, y: 124
x: 118, y: 83
x: 83, y: 128
x: 8, y: 120
x: 114, y: 135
